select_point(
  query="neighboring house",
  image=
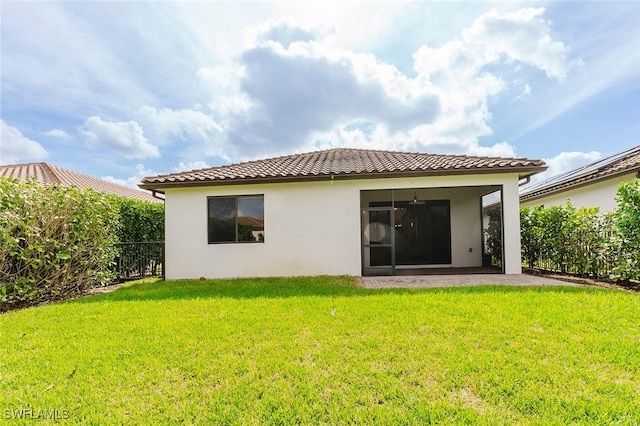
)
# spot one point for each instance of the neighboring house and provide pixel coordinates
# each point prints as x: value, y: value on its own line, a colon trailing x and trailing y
x: 337, y: 212
x: 48, y: 174
x: 593, y: 185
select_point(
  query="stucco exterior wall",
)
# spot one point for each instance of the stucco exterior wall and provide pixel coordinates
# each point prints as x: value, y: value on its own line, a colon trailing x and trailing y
x: 313, y: 228
x: 600, y: 194
x: 511, y: 228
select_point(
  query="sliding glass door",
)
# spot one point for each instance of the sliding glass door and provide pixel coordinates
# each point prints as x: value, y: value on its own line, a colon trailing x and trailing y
x: 422, y: 233
x: 403, y: 233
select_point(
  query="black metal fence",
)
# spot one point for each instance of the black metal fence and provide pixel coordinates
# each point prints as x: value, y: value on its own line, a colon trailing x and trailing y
x: 140, y: 260
x: 598, y: 268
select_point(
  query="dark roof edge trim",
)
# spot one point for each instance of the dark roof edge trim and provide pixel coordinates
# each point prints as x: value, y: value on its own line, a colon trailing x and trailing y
x: 522, y: 172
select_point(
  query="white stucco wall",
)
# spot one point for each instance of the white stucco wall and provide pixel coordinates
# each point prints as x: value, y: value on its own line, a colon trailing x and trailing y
x: 600, y: 194
x: 313, y: 228
x: 511, y: 228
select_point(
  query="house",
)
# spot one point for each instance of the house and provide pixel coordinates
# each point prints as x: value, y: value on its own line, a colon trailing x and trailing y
x: 593, y: 185
x: 49, y: 174
x: 337, y: 212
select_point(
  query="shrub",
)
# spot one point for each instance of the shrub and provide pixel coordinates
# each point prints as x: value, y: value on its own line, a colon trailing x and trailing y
x: 555, y: 225
x: 55, y: 242
x: 494, y: 236
x: 531, y: 234
x: 586, y: 236
x: 627, y: 230
x: 139, y: 220
x: 561, y: 238
x: 583, y: 241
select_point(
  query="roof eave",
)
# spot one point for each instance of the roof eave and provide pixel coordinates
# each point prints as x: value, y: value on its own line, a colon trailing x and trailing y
x: 523, y: 172
x: 567, y: 186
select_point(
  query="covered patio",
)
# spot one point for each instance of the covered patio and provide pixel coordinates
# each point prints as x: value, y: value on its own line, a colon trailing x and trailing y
x: 427, y: 230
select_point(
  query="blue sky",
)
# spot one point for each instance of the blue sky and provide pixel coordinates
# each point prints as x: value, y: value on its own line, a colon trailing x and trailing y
x: 123, y: 90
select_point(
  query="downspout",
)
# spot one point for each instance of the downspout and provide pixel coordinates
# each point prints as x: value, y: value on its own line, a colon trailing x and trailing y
x: 154, y: 194
x: 526, y: 181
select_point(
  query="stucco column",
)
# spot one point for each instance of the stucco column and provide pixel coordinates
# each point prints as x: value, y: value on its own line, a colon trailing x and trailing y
x: 511, y: 224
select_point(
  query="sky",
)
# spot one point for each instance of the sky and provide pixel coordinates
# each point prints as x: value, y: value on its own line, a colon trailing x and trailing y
x: 122, y: 90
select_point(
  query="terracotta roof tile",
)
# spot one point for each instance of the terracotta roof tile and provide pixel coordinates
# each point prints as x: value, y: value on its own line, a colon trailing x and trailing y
x: 624, y: 162
x: 344, y: 163
x: 48, y: 174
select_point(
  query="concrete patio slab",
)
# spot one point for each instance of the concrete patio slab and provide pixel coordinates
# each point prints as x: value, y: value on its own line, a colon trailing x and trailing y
x: 434, y: 281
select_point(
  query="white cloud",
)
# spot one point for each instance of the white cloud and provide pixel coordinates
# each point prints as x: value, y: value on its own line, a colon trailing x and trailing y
x: 191, y: 165
x: 58, y: 134
x: 500, y: 149
x: 125, y: 137
x: 142, y: 172
x: 15, y: 147
x: 196, y: 129
x: 378, y: 137
x: 320, y: 79
x: 566, y: 161
x: 221, y: 83
x: 308, y: 87
x: 521, y: 36
x: 69, y: 56
x: 132, y: 181
x: 286, y: 31
x: 185, y: 124
x: 466, y: 72
x: 598, y: 77
x: 300, y: 91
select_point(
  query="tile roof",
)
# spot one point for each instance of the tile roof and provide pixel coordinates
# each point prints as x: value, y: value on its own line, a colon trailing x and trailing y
x: 621, y: 163
x: 344, y: 163
x: 251, y: 221
x: 48, y: 174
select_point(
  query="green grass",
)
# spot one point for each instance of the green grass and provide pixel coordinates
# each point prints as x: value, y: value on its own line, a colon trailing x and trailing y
x: 270, y: 351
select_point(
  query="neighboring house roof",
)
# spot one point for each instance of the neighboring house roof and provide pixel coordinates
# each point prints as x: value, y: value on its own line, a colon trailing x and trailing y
x: 48, y: 174
x: 251, y: 221
x: 618, y: 164
x: 344, y: 164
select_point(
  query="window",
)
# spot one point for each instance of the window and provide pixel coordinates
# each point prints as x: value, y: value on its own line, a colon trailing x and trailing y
x: 236, y: 219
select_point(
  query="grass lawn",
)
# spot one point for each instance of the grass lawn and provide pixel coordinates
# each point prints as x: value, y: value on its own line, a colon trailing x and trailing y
x: 270, y: 351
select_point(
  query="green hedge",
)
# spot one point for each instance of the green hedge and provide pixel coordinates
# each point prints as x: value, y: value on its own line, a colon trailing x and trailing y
x: 139, y: 220
x: 57, y: 242
x: 566, y: 240
x: 627, y: 230
x: 580, y: 241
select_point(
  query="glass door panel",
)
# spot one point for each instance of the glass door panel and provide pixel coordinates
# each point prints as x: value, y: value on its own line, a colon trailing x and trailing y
x: 377, y: 240
x: 438, y: 244
x: 410, y: 233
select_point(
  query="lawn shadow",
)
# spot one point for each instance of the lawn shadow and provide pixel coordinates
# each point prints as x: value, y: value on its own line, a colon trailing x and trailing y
x: 286, y: 287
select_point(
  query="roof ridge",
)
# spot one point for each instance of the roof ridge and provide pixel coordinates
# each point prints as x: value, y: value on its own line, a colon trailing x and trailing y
x: 49, y: 170
x: 328, y: 150
x: 50, y: 174
x: 350, y: 163
x: 57, y: 169
x: 23, y: 164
